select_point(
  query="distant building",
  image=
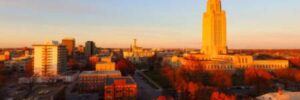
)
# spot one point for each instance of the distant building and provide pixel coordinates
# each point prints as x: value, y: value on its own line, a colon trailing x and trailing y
x: 70, y: 45
x: 90, y: 49
x: 121, y: 88
x: 93, y: 81
x: 106, y: 64
x: 50, y: 59
x: 20, y: 65
x: 137, y: 52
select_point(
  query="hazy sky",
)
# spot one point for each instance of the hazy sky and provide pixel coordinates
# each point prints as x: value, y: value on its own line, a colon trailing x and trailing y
x: 156, y: 23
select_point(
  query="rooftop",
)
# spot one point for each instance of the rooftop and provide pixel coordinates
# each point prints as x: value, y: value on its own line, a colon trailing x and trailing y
x: 100, y: 72
x: 128, y: 80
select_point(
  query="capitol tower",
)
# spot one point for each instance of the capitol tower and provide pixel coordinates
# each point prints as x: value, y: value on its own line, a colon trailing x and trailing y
x: 214, y: 29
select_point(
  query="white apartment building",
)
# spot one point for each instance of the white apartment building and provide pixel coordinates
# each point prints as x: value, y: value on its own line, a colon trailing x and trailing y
x: 50, y: 59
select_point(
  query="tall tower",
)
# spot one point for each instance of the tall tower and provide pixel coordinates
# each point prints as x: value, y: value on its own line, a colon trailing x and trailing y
x: 90, y: 48
x: 214, y: 29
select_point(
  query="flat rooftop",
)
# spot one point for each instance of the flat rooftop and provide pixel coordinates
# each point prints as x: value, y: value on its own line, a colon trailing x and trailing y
x: 128, y: 79
x: 100, y: 72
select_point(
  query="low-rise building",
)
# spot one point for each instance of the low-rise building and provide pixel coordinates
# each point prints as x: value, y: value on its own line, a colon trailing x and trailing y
x: 136, y: 52
x: 105, y: 64
x: 102, y: 66
x: 121, y: 88
x: 93, y: 81
x: 222, y: 62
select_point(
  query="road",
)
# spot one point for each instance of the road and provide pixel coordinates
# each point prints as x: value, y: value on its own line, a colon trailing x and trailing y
x: 145, y: 91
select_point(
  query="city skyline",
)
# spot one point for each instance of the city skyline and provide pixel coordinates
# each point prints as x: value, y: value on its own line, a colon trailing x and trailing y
x: 262, y: 25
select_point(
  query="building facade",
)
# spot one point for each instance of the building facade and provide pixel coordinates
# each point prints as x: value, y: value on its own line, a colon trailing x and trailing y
x: 70, y: 45
x: 214, y: 29
x: 106, y: 64
x: 122, y: 88
x: 50, y: 59
x: 90, y: 48
x: 93, y: 81
x: 136, y: 52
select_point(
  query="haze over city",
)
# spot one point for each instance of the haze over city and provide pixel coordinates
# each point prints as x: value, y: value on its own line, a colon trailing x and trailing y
x: 156, y: 23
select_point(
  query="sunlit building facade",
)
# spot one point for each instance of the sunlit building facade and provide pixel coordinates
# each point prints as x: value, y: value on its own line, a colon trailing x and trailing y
x: 106, y: 64
x: 213, y: 54
x: 121, y: 88
x: 214, y: 29
x: 136, y: 52
x: 70, y: 45
x: 50, y: 58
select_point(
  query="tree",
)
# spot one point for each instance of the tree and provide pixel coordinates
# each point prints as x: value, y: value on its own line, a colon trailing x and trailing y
x: 192, y: 89
x: 164, y: 98
x: 73, y: 64
x: 221, y: 96
x: 259, y: 78
x: 221, y: 79
x: 285, y: 74
x: 125, y: 66
x: 295, y: 61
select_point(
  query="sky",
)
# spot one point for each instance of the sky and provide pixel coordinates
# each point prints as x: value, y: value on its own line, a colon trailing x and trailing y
x: 251, y: 24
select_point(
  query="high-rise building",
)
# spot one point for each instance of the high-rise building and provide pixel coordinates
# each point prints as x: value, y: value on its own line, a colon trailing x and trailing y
x: 214, y: 29
x: 50, y: 59
x: 70, y: 45
x: 90, y: 48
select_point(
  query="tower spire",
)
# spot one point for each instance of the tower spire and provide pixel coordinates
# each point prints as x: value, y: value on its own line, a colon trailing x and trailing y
x: 214, y: 29
x: 214, y: 5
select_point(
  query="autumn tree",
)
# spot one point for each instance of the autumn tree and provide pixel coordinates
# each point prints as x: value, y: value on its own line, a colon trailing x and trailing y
x: 72, y: 64
x: 259, y: 78
x: 221, y: 96
x: 295, y: 61
x: 221, y: 79
x: 287, y: 75
x: 125, y: 66
x: 284, y: 74
x: 165, y: 98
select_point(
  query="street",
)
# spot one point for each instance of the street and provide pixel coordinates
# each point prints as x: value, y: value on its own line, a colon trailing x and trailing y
x: 145, y: 91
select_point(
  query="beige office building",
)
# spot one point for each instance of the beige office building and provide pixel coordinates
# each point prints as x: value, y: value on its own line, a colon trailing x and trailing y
x: 50, y: 58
